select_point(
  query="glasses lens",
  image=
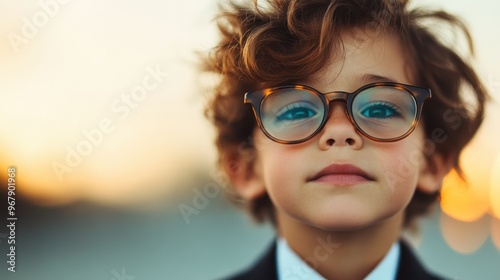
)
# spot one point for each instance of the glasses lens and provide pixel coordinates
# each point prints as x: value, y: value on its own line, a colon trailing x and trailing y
x: 292, y: 114
x: 384, y: 112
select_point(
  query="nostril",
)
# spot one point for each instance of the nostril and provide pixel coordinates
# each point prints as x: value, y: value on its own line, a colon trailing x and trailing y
x: 349, y: 141
x: 330, y: 142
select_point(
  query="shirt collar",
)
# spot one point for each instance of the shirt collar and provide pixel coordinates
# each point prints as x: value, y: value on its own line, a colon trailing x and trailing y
x: 291, y: 266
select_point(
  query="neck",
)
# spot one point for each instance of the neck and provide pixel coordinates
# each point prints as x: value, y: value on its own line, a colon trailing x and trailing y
x: 341, y: 254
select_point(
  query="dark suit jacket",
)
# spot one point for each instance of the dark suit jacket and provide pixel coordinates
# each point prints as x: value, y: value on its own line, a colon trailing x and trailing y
x: 409, y: 268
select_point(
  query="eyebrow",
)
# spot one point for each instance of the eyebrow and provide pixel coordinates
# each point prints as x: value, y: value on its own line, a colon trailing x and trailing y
x: 371, y: 78
x: 365, y: 79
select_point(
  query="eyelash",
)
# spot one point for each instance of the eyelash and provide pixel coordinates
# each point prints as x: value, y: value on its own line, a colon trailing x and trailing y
x: 394, y: 108
x: 294, y: 106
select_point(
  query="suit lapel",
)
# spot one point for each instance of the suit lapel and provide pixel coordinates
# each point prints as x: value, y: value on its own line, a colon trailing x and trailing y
x: 265, y: 268
x: 409, y: 268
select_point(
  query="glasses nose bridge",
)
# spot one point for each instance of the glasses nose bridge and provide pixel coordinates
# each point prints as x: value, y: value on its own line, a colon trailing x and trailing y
x: 336, y: 96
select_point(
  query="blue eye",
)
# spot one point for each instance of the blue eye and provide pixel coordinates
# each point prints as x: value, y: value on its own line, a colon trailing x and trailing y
x: 295, y: 112
x: 380, y: 110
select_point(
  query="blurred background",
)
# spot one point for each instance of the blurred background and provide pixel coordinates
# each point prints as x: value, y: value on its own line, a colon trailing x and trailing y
x: 101, y: 114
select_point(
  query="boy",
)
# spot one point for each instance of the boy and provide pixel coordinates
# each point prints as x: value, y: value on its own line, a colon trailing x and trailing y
x: 336, y: 121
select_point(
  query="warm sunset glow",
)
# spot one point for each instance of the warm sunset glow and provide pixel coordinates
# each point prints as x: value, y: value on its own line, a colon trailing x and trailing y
x: 495, y: 189
x: 99, y: 107
x: 464, y: 237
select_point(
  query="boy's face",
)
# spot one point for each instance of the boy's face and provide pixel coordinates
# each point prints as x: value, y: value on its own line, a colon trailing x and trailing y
x: 345, y: 202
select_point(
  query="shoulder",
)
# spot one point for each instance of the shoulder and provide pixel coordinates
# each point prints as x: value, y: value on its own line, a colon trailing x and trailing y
x: 410, y: 267
x: 264, y: 268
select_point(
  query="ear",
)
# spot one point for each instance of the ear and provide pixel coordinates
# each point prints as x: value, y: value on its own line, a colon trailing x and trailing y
x: 244, y: 174
x: 433, y: 172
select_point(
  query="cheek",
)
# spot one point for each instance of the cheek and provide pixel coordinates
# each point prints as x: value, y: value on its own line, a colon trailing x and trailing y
x: 400, y: 168
x: 405, y: 158
x: 280, y: 180
x: 281, y: 169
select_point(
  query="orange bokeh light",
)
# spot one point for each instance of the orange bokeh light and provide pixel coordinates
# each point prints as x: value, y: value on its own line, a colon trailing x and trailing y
x: 465, y: 237
x: 495, y: 190
x: 464, y: 200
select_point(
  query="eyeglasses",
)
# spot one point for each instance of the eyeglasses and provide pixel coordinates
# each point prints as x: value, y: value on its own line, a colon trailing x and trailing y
x: 293, y: 114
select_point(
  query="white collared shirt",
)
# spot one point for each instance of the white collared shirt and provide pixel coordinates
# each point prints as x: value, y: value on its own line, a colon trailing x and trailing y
x: 292, y: 267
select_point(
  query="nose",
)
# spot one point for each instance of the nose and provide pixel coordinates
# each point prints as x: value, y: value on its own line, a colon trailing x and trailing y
x: 339, y: 130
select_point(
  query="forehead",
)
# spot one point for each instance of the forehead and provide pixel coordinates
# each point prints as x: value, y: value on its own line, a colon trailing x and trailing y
x: 361, y: 58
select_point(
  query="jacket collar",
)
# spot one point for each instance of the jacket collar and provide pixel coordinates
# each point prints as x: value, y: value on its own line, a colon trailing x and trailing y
x: 409, y: 267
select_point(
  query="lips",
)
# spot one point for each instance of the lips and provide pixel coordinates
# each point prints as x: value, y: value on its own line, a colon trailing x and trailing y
x: 341, y: 174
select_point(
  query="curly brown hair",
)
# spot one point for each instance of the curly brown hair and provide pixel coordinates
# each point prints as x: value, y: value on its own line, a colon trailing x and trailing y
x: 274, y: 42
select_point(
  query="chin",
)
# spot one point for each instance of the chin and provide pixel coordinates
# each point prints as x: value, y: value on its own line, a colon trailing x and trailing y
x: 343, y: 225
x: 348, y: 221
